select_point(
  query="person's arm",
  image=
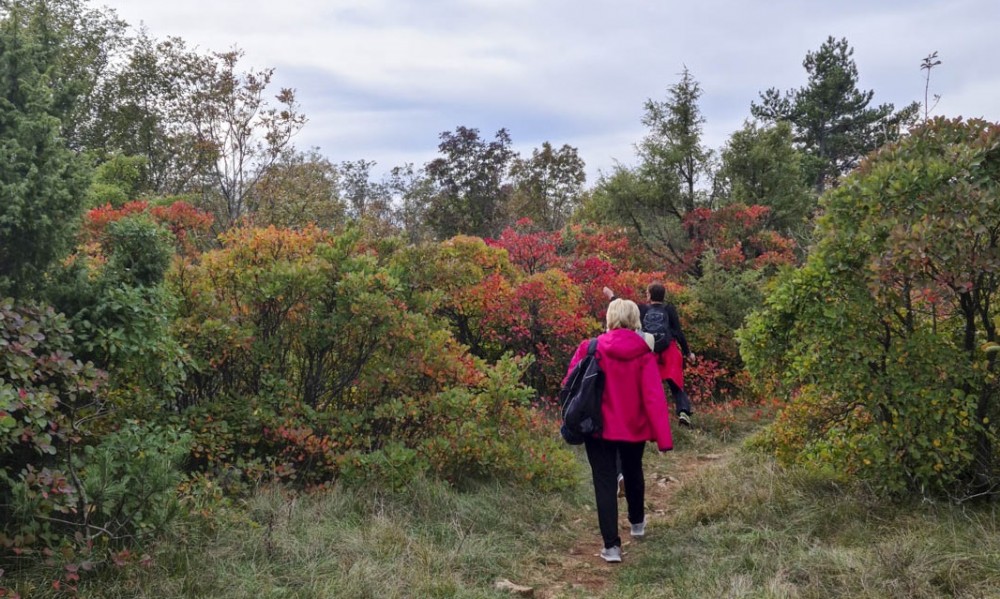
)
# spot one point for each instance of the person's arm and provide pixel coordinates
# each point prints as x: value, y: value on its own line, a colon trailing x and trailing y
x: 581, y: 352
x: 678, y: 334
x: 610, y: 294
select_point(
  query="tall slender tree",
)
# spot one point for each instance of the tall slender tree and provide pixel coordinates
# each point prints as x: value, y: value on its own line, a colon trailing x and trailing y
x: 652, y: 199
x: 673, y: 152
x: 239, y: 132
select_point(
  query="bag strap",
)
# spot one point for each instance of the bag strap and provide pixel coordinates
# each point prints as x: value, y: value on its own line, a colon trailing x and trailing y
x: 592, y: 348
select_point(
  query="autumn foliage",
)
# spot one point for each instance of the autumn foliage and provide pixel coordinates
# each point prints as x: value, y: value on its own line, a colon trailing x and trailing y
x: 189, y: 226
x: 307, y: 357
x: 738, y: 236
x: 310, y: 366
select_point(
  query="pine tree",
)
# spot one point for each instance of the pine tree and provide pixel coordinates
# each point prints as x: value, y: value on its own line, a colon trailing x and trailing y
x: 42, y: 181
x: 832, y: 119
x: 672, y: 151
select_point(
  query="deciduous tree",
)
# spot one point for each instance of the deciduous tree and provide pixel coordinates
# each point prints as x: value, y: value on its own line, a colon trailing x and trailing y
x: 142, y: 109
x: 472, y: 183
x: 299, y: 189
x: 548, y: 186
x: 239, y: 132
x: 760, y: 166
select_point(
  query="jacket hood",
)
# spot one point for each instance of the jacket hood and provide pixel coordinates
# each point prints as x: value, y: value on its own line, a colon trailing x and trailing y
x: 622, y: 344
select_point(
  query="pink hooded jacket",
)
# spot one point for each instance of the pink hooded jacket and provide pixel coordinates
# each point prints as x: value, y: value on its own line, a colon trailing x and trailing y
x: 633, y: 406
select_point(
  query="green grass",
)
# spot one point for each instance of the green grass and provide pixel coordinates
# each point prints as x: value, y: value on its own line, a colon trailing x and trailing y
x: 740, y: 526
x: 430, y: 541
x: 746, y: 527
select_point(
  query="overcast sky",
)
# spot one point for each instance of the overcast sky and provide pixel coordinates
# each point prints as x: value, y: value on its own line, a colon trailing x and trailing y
x: 381, y: 79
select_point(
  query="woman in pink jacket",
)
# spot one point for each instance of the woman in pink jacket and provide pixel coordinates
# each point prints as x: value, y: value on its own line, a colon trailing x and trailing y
x: 634, y: 410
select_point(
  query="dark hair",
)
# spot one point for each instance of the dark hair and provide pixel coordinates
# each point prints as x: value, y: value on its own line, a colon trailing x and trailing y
x: 656, y: 292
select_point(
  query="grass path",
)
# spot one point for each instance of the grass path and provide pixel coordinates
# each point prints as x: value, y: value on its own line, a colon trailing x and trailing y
x: 749, y: 528
x: 580, y: 572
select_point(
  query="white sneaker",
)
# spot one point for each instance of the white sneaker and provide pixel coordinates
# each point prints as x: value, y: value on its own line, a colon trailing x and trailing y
x: 612, y: 555
x: 621, y: 486
x: 639, y: 530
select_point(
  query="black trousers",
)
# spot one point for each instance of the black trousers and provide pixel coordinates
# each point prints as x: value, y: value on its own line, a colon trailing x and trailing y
x: 681, y: 399
x: 603, y: 457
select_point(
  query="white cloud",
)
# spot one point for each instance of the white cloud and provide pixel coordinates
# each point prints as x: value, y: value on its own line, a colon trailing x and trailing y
x: 380, y: 79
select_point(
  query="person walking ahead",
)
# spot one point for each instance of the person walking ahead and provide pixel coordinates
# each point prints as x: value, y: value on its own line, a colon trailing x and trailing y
x: 634, y: 410
x: 671, y: 359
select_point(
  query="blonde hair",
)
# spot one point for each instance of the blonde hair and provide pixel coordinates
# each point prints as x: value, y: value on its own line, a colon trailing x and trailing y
x: 623, y: 314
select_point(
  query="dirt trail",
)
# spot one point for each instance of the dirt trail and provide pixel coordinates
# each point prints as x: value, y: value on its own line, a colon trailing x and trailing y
x: 581, y: 572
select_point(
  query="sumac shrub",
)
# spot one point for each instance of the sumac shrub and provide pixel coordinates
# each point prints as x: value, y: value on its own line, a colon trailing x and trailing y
x: 311, y: 366
x: 542, y: 317
x: 491, y: 431
x: 189, y: 226
x: 531, y: 250
x: 494, y: 307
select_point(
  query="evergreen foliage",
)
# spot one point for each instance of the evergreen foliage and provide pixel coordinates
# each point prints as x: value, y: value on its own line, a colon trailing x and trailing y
x: 42, y: 182
x: 833, y: 120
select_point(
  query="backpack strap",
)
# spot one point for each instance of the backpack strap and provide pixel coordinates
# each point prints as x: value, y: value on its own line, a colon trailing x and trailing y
x: 592, y: 348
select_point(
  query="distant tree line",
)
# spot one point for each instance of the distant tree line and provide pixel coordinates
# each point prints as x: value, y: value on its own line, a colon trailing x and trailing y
x: 113, y: 114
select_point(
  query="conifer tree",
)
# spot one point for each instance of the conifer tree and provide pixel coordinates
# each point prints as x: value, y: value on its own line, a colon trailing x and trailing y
x: 42, y: 181
x: 833, y: 120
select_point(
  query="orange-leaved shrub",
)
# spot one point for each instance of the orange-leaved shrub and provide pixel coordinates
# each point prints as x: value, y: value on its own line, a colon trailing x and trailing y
x: 311, y: 366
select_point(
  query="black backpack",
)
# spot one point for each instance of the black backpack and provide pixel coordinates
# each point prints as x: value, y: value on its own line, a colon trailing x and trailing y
x: 580, y: 398
x: 657, y: 323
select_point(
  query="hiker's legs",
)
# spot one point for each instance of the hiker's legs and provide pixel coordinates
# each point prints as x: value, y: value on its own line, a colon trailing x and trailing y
x: 602, y: 456
x: 635, y: 483
x: 682, y: 402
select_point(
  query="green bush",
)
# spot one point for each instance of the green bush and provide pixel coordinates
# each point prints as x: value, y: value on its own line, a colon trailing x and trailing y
x: 140, y: 251
x: 72, y: 478
x: 885, y: 341
x: 118, y: 491
x: 116, y: 181
x: 121, y: 314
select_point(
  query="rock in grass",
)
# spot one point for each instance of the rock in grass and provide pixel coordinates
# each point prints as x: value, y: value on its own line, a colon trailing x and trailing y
x: 505, y: 585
